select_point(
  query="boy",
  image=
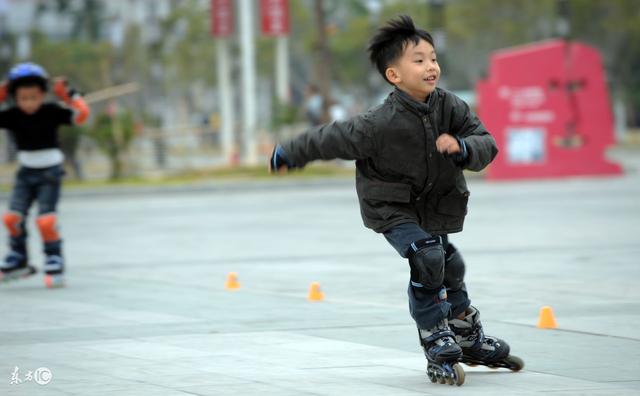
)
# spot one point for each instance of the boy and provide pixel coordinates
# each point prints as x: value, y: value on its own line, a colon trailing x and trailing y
x: 33, y: 126
x: 410, y: 152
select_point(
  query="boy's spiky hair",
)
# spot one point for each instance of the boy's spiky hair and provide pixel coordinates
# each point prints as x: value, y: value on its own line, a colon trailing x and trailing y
x: 390, y: 41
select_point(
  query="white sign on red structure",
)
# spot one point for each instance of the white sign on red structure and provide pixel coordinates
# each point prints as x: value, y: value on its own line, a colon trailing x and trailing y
x: 221, y: 18
x: 275, y: 17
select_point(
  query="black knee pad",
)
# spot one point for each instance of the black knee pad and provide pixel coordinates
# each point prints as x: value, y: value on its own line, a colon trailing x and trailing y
x: 427, y: 260
x: 454, y: 269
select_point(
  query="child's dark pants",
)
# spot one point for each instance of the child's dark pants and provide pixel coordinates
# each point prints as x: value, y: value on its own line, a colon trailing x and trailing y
x: 428, y: 306
x: 41, y: 185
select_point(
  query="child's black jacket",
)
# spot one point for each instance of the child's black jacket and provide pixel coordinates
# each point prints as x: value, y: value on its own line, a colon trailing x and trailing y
x: 400, y: 176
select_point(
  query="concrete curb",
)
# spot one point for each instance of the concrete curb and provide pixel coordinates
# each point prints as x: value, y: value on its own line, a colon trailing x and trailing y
x: 214, y: 187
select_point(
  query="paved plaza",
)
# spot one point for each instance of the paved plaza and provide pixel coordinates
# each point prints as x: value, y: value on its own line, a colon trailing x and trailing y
x: 146, y: 313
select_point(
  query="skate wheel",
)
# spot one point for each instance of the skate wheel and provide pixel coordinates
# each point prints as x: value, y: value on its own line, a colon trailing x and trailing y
x: 54, y: 281
x: 432, y: 376
x: 459, y: 374
x: 515, y: 363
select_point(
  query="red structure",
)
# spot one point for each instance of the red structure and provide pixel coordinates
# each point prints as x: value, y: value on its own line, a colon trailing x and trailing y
x: 221, y: 18
x: 548, y: 108
x: 274, y: 16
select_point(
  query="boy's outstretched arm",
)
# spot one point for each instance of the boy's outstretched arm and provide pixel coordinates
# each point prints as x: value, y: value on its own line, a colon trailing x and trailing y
x: 73, y: 99
x: 4, y: 94
x: 4, y: 90
x: 480, y: 146
x: 348, y: 140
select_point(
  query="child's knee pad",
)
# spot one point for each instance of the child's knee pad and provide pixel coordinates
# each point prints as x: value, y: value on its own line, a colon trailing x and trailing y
x: 47, y: 224
x: 454, y: 269
x: 14, y: 223
x: 427, y: 258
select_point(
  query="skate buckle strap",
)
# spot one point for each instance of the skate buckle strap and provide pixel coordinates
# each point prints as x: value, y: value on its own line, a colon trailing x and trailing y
x: 54, y: 263
x: 477, y: 329
x: 440, y: 334
x: 423, y: 243
x: 12, y: 260
x: 477, y: 337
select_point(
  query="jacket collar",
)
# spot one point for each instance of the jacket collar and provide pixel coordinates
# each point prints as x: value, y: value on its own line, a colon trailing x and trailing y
x: 413, y: 105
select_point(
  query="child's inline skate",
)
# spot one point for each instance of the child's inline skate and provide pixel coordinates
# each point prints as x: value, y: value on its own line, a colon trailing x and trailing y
x: 479, y: 349
x: 15, y: 266
x: 54, y: 271
x: 442, y: 354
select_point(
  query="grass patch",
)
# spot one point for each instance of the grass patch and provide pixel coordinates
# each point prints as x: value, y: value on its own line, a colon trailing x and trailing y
x: 239, y: 173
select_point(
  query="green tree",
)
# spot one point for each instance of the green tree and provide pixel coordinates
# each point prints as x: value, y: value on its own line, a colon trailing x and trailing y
x: 348, y: 44
x: 476, y: 28
x: 86, y: 64
x: 87, y: 16
x: 114, y: 133
x: 614, y: 28
x: 186, y: 47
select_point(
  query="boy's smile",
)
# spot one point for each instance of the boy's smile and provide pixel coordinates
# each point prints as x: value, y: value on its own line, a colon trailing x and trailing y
x: 417, y: 71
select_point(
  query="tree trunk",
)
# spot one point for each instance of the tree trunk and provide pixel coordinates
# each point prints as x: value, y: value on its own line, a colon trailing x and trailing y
x: 323, y: 59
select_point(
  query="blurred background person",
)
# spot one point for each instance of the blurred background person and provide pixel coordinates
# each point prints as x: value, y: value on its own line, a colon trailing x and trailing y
x: 33, y: 125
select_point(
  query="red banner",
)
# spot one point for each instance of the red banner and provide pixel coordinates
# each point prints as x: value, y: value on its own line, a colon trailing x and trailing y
x: 275, y: 17
x: 221, y: 18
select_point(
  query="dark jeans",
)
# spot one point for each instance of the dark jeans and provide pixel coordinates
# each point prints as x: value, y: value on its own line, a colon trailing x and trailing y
x: 41, y: 185
x: 427, y: 307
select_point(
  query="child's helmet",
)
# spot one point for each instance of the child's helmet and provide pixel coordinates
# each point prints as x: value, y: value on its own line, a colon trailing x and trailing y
x: 27, y: 73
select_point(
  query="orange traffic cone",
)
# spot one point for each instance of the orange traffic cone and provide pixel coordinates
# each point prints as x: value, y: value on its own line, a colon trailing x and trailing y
x: 232, y: 281
x: 547, y: 320
x: 315, y: 294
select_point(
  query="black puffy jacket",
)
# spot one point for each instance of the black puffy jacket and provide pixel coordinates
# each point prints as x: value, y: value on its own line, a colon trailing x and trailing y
x: 400, y: 176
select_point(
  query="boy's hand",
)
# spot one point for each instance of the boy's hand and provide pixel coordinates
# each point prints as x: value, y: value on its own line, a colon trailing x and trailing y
x: 4, y: 90
x: 61, y: 89
x: 447, y: 144
x: 279, y: 163
x: 454, y: 148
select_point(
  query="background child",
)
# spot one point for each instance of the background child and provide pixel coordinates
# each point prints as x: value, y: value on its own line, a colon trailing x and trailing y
x: 33, y: 126
x: 410, y: 152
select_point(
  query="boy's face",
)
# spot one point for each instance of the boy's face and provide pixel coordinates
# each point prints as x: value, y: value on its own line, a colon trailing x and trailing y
x: 417, y: 71
x: 29, y: 98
